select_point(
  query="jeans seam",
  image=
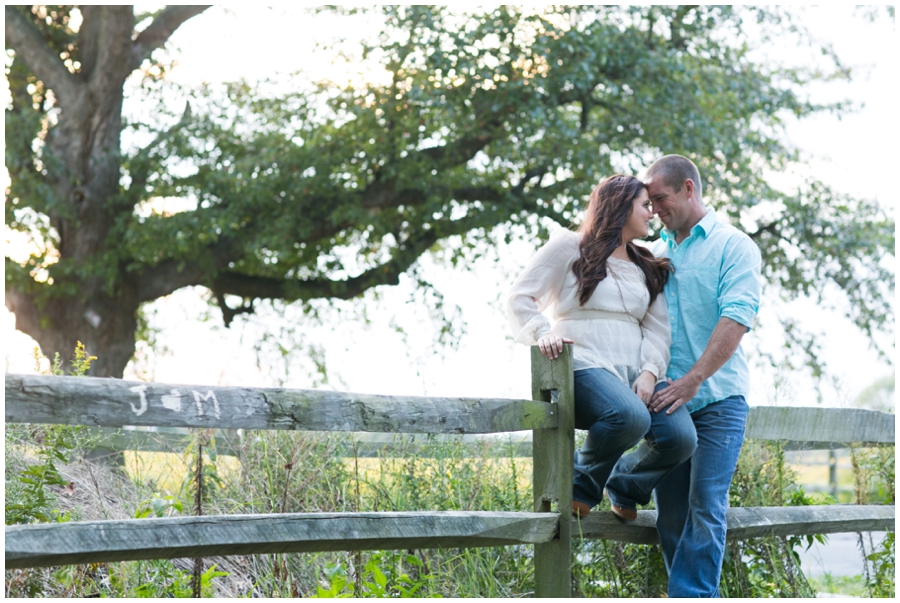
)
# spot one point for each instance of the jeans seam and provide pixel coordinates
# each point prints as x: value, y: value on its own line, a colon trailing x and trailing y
x: 653, y: 448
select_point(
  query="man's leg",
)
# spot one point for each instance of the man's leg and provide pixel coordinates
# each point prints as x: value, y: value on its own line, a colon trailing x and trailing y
x: 696, y: 565
x: 670, y: 441
x: 615, y: 419
x: 672, y: 498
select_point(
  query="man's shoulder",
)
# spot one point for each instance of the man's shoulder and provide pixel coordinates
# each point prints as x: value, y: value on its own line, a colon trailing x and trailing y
x: 729, y: 236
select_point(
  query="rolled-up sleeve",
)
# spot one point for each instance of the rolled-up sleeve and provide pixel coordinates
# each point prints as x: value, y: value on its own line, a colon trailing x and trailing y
x: 539, y: 286
x: 657, y: 338
x: 740, y: 281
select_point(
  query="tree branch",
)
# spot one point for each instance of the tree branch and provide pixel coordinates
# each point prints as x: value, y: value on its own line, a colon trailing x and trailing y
x: 678, y: 40
x: 114, y: 43
x: 89, y: 39
x: 463, y: 148
x: 228, y: 313
x: 771, y: 228
x: 162, y: 28
x: 260, y: 287
x: 173, y: 274
x: 140, y: 162
x: 383, y: 194
x: 388, y: 273
x: 24, y: 38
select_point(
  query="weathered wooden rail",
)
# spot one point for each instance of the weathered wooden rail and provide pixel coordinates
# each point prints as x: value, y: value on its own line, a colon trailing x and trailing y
x: 798, y: 429
x: 109, y: 403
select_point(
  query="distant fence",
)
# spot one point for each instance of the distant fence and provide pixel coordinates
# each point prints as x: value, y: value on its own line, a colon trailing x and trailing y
x: 111, y: 403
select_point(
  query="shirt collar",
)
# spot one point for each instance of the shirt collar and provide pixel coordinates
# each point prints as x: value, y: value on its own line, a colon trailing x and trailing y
x: 704, y: 226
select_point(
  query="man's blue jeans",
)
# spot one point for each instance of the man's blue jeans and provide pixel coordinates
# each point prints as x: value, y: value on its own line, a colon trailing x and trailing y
x: 692, y: 499
x: 616, y: 419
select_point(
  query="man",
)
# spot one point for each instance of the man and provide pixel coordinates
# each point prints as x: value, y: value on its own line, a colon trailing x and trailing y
x: 713, y: 298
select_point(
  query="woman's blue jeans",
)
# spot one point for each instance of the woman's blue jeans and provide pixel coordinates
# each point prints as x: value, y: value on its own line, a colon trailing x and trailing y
x: 616, y: 419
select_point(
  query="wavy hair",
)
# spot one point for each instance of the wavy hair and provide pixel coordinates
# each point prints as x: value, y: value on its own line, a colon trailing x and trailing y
x: 611, y: 203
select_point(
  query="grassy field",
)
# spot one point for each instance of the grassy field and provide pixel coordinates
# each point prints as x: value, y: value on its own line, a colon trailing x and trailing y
x: 283, y: 472
x: 168, y: 471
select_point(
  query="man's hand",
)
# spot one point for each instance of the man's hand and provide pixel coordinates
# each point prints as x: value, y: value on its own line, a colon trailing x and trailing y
x: 552, y: 345
x: 723, y: 342
x: 643, y: 386
x: 677, y: 393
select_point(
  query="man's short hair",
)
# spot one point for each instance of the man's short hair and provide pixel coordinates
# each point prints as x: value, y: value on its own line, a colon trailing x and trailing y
x: 674, y: 170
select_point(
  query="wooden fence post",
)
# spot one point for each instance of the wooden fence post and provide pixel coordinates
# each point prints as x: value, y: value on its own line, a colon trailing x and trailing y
x: 553, y: 452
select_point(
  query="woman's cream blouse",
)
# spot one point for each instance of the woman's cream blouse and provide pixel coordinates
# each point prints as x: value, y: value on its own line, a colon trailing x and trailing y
x: 605, y: 334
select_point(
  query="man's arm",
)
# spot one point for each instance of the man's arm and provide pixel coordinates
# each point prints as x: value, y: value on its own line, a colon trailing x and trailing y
x: 723, y: 343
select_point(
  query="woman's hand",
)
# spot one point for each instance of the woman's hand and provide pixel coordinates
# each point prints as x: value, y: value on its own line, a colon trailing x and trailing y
x: 552, y: 345
x: 644, y: 385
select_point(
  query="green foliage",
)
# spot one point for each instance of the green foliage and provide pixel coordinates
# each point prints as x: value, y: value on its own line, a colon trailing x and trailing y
x: 874, y: 477
x: 168, y: 581
x: 766, y: 567
x: 383, y: 576
x: 882, y: 580
x: 608, y: 569
x: 33, y: 501
x: 296, y: 472
x: 473, y: 126
x: 29, y: 500
x: 81, y: 362
x: 308, y: 472
x: 879, y: 395
x: 285, y: 472
x: 447, y: 479
x: 851, y: 586
x: 159, y: 506
x: 200, y: 456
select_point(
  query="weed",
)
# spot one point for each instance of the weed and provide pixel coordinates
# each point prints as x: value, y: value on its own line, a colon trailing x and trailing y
x: 850, y: 586
x: 32, y: 500
x: 766, y: 567
x: 874, y: 477
x: 289, y: 472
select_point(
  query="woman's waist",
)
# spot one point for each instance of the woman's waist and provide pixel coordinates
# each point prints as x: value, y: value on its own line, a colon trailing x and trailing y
x: 619, y: 340
x: 596, y: 314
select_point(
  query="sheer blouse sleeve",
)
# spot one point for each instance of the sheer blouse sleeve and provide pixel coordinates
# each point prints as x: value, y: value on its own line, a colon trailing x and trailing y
x: 657, y: 338
x: 539, y: 286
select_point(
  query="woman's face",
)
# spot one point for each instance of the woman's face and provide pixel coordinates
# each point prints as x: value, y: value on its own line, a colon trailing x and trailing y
x: 637, y: 226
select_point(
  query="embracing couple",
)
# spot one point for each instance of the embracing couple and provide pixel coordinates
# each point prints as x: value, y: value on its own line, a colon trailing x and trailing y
x: 656, y: 340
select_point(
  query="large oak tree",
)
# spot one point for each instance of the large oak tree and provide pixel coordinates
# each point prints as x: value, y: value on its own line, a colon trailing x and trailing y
x: 480, y: 123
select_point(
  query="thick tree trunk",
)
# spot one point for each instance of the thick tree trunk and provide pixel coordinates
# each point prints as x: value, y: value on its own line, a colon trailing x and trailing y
x: 80, y: 308
x: 105, y: 325
x: 91, y: 299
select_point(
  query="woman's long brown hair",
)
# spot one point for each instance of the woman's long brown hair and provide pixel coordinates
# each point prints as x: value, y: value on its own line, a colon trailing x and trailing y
x: 610, y: 206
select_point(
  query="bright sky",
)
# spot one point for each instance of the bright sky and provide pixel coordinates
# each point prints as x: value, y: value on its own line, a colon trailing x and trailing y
x: 855, y: 154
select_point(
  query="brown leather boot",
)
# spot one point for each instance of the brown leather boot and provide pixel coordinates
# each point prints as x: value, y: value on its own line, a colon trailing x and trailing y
x: 622, y: 513
x: 580, y: 509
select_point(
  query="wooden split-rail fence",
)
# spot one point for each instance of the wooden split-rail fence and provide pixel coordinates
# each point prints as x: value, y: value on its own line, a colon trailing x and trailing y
x: 112, y: 403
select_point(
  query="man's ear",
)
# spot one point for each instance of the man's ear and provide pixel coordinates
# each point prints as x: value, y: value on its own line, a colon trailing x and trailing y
x: 689, y: 188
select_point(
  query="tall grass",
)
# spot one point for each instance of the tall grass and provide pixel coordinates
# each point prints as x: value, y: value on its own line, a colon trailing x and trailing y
x: 287, y: 472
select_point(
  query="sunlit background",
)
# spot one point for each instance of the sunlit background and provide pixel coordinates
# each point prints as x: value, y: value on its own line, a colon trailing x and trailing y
x: 386, y: 343
x: 393, y: 349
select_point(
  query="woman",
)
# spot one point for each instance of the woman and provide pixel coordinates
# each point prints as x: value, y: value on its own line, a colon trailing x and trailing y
x: 605, y: 294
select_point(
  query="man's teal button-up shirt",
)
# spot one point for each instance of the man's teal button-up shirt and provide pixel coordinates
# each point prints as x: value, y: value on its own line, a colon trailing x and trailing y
x: 717, y: 273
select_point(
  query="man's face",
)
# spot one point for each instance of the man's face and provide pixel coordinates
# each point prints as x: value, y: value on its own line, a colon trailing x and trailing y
x: 673, y: 209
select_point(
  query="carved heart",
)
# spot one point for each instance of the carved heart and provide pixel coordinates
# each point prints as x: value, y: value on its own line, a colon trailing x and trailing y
x: 172, y: 401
